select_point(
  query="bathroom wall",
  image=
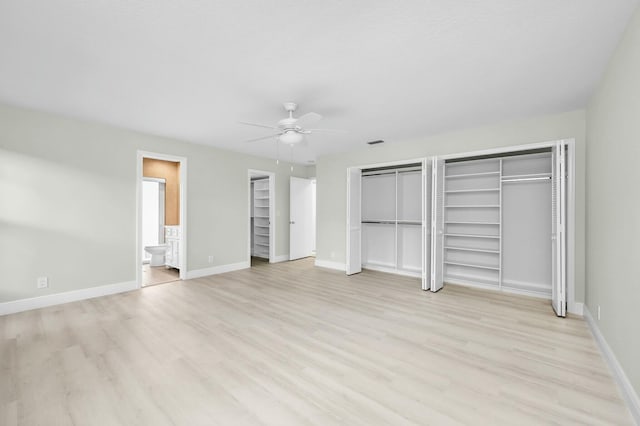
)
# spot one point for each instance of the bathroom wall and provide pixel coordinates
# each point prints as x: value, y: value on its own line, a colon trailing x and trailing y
x: 170, y: 172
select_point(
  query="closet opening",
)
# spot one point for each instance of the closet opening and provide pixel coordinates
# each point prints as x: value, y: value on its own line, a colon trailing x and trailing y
x: 387, y: 215
x: 261, y: 217
x: 500, y: 219
x: 502, y: 222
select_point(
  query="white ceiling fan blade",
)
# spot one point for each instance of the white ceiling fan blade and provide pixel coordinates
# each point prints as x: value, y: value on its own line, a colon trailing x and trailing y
x: 258, y: 125
x: 308, y: 118
x: 326, y: 131
x: 261, y: 138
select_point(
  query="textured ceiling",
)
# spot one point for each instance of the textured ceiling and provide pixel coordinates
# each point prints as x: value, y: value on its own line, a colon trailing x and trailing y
x: 392, y: 70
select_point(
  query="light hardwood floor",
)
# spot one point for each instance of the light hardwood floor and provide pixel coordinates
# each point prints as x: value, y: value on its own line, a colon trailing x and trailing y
x: 152, y: 275
x: 291, y: 344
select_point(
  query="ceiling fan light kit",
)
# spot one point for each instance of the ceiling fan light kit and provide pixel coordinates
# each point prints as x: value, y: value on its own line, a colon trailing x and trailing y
x: 291, y: 137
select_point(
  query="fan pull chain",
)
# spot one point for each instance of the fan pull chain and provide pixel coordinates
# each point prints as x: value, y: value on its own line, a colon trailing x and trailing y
x: 277, y: 152
x: 292, y: 158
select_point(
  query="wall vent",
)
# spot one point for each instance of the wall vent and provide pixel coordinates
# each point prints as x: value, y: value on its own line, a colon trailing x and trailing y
x: 375, y: 142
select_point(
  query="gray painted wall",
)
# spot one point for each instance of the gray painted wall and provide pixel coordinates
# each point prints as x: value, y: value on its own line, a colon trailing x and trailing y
x: 613, y: 203
x: 331, y: 173
x: 68, y: 202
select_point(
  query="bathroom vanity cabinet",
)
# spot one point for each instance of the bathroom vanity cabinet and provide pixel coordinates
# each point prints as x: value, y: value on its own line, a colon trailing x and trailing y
x: 172, y: 239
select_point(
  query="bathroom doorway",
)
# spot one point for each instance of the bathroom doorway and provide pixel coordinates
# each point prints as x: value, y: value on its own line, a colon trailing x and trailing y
x: 161, y: 230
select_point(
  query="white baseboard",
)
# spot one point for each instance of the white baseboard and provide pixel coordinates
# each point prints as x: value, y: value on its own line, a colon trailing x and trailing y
x: 628, y: 392
x: 331, y: 265
x: 214, y: 270
x: 576, y: 308
x: 281, y: 258
x: 391, y: 270
x: 21, y: 305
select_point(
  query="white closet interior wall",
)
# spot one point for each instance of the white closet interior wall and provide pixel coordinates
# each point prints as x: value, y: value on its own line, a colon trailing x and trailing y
x: 392, y: 220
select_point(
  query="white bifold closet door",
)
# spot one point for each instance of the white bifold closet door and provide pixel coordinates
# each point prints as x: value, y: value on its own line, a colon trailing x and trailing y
x: 354, y: 221
x: 426, y: 224
x: 437, y: 224
x: 559, y: 234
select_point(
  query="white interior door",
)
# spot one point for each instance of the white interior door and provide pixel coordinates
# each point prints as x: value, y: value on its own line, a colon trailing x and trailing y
x: 426, y: 224
x: 354, y: 221
x: 300, y: 218
x: 437, y: 224
x: 559, y: 235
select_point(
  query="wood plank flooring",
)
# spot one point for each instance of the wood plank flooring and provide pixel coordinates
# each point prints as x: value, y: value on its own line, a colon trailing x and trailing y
x: 152, y: 275
x: 291, y: 344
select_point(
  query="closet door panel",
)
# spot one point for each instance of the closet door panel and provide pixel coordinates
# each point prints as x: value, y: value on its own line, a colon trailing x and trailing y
x: 409, y: 248
x: 426, y: 223
x: 410, y: 196
x: 379, y: 197
x: 378, y: 246
x: 526, y: 235
x: 437, y: 225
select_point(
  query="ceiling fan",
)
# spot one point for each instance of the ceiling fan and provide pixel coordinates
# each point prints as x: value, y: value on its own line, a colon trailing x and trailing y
x: 291, y: 130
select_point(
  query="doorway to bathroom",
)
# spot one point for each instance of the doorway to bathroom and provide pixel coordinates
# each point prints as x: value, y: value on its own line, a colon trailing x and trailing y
x: 161, y: 231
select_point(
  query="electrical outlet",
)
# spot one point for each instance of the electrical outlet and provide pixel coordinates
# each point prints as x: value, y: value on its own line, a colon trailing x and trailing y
x: 210, y: 259
x: 43, y: 282
x: 598, y: 312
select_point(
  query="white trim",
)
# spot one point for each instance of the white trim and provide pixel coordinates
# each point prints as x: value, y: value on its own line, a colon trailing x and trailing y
x: 576, y: 308
x: 21, y: 305
x: 628, y: 392
x: 272, y: 213
x: 280, y: 258
x: 183, y: 210
x: 331, y: 265
x: 490, y: 287
x: 152, y: 179
x: 505, y: 149
x: 391, y: 270
x: 215, y: 270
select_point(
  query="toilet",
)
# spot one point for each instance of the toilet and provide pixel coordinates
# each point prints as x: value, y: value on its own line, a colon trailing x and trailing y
x: 157, y: 254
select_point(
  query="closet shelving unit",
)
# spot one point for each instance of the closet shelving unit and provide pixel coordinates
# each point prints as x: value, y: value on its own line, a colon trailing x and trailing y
x: 483, y: 198
x: 261, y: 218
x: 392, y: 220
x: 472, y: 217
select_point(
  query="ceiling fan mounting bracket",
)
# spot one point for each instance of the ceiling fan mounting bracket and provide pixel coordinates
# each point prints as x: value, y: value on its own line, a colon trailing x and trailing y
x: 290, y: 106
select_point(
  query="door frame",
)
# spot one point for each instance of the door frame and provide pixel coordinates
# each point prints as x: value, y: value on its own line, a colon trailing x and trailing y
x: 140, y: 155
x: 572, y: 305
x: 272, y: 207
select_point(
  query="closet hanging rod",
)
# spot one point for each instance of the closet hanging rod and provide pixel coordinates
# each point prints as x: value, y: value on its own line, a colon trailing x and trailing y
x: 383, y: 222
x: 526, y: 179
x: 391, y: 172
